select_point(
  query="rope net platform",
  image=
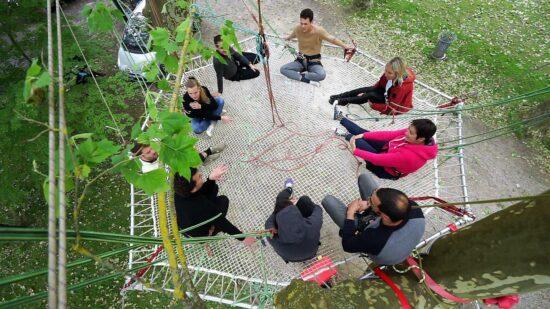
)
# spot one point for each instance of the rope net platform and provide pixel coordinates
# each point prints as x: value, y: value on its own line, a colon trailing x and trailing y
x: 261, y: 156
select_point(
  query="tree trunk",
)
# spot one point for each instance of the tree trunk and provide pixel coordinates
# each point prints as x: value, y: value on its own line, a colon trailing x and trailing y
x: 505, y: 253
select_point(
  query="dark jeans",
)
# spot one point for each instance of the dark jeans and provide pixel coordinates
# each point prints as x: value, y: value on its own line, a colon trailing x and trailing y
x: 367, y: 145
x: 372, y: 94
x: 305, y: 204
x: 244, y: 71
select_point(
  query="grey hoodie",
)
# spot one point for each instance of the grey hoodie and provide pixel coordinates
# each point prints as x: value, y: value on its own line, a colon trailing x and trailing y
x: 298, y: 237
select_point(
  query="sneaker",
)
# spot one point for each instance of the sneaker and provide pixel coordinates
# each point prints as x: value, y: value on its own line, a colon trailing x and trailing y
x: 335, y: 111
x: 211, y: 158
x: 218, y: 148
x: 289, y: 183
x: 340, y: 132
x: 314, y: 83
x: 224, y: 111
x: 210, y: 129
x: 331, y: 100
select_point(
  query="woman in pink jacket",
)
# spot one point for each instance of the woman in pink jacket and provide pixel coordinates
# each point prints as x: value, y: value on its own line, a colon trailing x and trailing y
x: 393, y: 154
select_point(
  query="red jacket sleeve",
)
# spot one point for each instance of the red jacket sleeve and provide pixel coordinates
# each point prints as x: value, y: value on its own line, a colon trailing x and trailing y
x: 384, y: 136
x: 380, y: 159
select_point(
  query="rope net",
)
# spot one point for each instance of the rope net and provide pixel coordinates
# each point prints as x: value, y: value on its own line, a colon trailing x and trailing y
x: 261, y: 157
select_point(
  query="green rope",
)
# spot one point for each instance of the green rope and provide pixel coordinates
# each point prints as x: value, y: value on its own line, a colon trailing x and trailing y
x: 489, y: 201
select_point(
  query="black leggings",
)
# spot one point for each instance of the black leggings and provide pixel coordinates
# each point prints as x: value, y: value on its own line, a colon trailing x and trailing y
x: 372, y: 94
x: 244, y: 71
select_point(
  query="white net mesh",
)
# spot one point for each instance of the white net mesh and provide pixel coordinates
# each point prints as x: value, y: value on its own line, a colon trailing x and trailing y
x: 261, y: 157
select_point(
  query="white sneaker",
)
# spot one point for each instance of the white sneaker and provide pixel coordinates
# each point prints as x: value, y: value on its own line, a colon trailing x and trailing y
x: 335, y: 111
x: 224, y: 111
x: 210, y: 129
x: 339, y: 132
x: 314, y: 83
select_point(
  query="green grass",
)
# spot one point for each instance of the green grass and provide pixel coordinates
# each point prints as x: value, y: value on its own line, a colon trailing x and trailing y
x: 501, y: 51
x: 106, y: 208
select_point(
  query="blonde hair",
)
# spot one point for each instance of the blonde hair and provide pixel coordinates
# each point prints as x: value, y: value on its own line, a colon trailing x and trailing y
x: 399, y: 66
x: 193, y: 82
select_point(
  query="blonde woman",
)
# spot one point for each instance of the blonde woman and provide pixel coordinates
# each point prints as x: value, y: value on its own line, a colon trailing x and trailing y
x: 203, y: 109
x: 392, y: 94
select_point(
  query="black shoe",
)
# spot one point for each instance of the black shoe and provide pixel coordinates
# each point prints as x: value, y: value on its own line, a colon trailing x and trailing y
x: 331, y: 99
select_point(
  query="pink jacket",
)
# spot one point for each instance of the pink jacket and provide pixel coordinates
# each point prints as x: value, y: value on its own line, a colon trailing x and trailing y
x: 401, y: 158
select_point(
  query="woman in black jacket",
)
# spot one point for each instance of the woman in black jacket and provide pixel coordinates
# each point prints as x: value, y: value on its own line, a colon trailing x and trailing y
x: 197, y: 201
x: 203, y: 109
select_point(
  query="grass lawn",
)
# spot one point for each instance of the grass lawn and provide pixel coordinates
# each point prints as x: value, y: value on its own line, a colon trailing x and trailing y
x: 501, y: 50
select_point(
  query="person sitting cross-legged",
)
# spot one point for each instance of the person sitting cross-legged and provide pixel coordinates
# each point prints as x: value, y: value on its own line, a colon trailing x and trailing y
x: 383, y: 223
x: 307, y: 66
x: 393, y: 154
x: 203, y: 108
x: 197, y: 201
x: 237, y: 66
x: 295, y: 225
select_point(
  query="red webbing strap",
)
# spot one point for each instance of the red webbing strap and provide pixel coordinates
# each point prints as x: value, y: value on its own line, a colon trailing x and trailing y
x: 402, y: 299
x: 142, y: 271
x: 450, y: 208
x: 432, y: 284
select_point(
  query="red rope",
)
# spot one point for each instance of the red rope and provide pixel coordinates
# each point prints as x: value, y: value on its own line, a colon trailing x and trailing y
x: 460, y: 212
x: 420, y: 273
x: 142, y: 271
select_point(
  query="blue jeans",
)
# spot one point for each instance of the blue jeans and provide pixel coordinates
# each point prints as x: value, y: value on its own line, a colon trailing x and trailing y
x: 200, y: 125
x: 367, y: 145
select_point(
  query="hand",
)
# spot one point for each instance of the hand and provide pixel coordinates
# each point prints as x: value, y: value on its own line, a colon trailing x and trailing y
x: 361, y: 94
x: 294, y: 200
x: 226, y: 119
x: 352, y: 144
x: 249, y: 241
x: 216, y: 94
x: 273, y: 231
x: 195, y: 105
x: 252, y: 67
x: 353, y: 208
x: 349, y: 47
x: 363, y: 205
x: 218, y: 172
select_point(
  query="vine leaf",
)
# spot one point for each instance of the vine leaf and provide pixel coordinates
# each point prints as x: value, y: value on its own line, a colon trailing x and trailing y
x: 92, y: 153
x: 174, y: 123
x: 35, y: 82
x: 100, y: 17
x: 179, y: 153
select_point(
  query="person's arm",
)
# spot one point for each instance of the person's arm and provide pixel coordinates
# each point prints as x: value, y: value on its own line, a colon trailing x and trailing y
x: 292, y: 35
x: 219, y: 67
x: 384, y: 136
x: 332, y: 39
x: 380, y: 159
x: 210, y: 188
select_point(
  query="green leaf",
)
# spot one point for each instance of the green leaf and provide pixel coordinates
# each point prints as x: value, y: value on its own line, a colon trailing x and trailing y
x: 99, y: 19
x: 150, y: 98
x: 207, y: 53
x: 136, y: 130
x: 160, y: 37
x: 179, y: 153
x: 163, y: 85
x: 152, y: 71
x: 43, y: 80
x: 91, y: 153
x: 153, y: 181
x: 86, y: 11
x: 82, y: 171
x: 76, y: 137
x: 220, y: 58
x: 173, y: 122
x: 34, y: 69
x: 181, y: 30
x: 171, y: 64
x: 182, y: 4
